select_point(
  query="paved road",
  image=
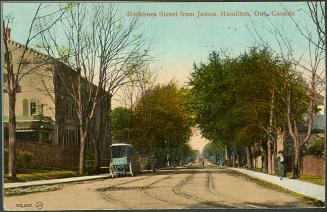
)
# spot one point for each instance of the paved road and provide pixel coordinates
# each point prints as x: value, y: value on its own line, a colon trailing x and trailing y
x: 191, y: 187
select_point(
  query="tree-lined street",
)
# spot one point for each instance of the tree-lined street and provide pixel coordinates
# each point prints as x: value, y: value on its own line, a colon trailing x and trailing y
x: 86, y: 95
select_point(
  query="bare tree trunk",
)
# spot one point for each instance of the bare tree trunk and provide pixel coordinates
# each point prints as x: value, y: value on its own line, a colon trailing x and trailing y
x: 11, y: 136
x: 293, y: 130
x: 11, y: 90
x: 269, y: 156
x: 96, y: 136
x: 271, y: 134
x: 252, y: 158
x: 233, y: 159
x: 82, y: 126
x: 82, y: 153
x: 109, y: 120
x: 274, y: 156
x: 238, y: 160
x: 97, y: 156
x: 248, y: 157
x: 297, y: 158
x: 264, y: 161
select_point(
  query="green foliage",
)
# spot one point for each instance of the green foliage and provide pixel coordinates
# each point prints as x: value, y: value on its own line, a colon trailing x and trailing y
x: 68, y: 6
x: 159, y: 125
x: 214, y: 149
x: 122, y: 125
x: 23, y: 160
x: 233, y: 97
x: 42, y: 174
x: 318, y: 148
x: 64, y: 53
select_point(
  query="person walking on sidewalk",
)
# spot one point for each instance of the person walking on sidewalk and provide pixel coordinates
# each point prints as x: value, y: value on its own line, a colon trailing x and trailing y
x: 280, y: 166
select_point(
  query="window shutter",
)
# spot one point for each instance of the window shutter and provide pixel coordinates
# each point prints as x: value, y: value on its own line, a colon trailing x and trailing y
x: 25, y: 107
x: 33, y: 107
x: 38, y: 107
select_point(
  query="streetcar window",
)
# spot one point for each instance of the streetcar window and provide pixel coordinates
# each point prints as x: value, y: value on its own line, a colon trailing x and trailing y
x: 118, y: 152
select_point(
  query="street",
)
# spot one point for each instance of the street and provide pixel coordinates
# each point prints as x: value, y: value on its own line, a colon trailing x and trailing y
x: 183, y: 187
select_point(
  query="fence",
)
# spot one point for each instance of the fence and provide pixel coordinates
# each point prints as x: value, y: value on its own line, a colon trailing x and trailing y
x: 50, y: 155
x: 313, y: 165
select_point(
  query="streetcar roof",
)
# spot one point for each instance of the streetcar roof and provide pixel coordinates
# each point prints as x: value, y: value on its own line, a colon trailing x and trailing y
x: 121, y: 144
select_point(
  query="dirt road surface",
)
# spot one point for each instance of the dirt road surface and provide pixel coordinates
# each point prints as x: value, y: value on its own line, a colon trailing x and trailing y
x: 183, y: 187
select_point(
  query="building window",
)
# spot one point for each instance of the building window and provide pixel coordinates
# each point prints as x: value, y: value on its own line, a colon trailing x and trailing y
x: 33, y: 107
x: 69, y: 108
x: 25, y: 107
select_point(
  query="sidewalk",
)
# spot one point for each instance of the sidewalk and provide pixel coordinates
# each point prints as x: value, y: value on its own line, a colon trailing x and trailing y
x: 304, y: 188
x: 55, y: 181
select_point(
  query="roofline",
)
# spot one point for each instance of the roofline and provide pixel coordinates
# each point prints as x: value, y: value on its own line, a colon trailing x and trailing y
x: 44, y: 55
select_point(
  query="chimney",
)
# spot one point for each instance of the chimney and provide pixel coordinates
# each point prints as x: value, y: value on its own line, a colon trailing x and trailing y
x: 8, y: 32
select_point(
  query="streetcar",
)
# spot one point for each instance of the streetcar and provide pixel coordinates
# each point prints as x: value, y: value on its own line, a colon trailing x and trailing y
x: 124, y: 160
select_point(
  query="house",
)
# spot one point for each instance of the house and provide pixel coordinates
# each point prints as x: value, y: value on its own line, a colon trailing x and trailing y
x: 311, y: 164
x: 47, y: 123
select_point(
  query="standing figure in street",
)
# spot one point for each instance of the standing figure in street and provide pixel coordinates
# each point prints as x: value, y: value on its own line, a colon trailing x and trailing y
x: 281, y: 166
x: 203, y: 163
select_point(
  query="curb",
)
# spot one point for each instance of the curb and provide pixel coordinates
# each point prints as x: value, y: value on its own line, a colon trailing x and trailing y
x: 54, y: 181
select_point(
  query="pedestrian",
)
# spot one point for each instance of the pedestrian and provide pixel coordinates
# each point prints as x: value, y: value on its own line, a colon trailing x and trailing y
x: 203, y: 163
x: 281, y: 166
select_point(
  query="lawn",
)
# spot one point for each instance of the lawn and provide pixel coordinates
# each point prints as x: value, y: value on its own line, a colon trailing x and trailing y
x: 310, y: 179
x: 266, y: 184
x: 42, y: 174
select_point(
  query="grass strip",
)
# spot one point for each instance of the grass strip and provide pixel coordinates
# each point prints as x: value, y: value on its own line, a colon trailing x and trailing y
x: 269, y: 185
x: 31, y: 189
x: 42, y: 174
x: 310, y: 179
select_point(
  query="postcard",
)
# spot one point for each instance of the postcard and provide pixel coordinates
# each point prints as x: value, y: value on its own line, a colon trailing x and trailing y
x: 163, y: 105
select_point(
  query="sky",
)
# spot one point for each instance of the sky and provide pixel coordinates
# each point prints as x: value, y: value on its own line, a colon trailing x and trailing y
x: 180, y: 41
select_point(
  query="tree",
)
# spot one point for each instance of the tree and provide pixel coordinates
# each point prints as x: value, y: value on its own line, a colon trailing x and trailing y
x: 122, y: 125
x: 105, y: 52
x: 16, y: 71
x: 316, y: 13
x: 185, y: 153
x: 163, y: 122
x: 215, y: 150
x: 123, y: 117
x: 309, y: 65
x: 235, y: 101
x: 316, y: 47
